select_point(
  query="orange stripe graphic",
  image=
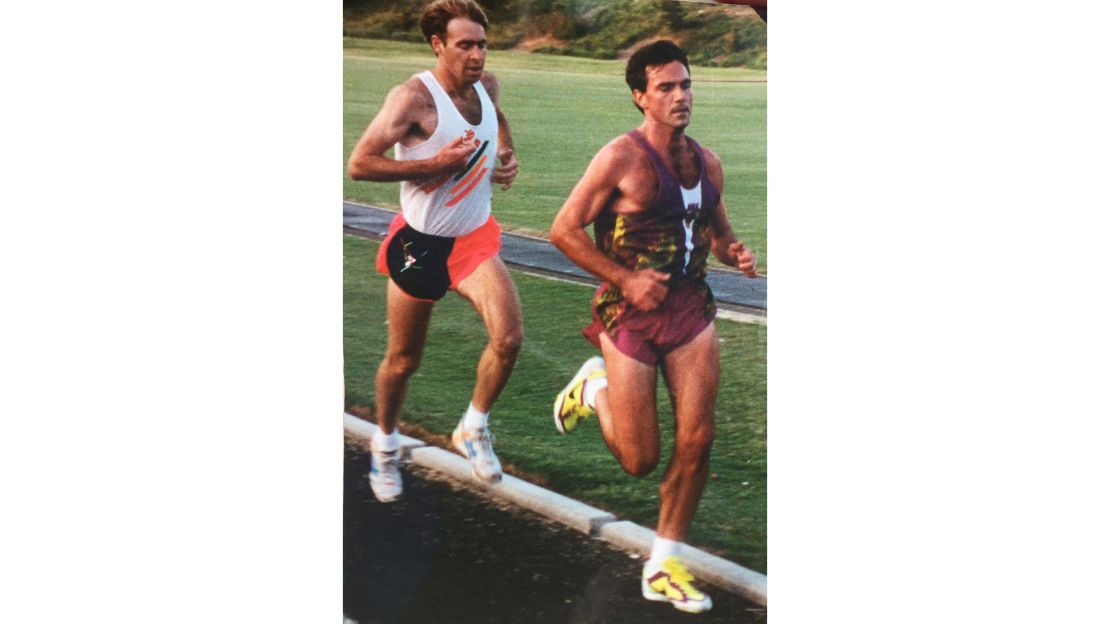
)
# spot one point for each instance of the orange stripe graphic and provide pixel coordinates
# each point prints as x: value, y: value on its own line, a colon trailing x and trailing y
x: 467, y: 190
x: 431, y: 186
x: 470, y: 175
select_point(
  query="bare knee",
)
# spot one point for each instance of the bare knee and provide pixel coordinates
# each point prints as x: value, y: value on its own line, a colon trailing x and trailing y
x: 696, y: 442
x: 400, y: 365
x: 639, y: 465
x: 507, y: 344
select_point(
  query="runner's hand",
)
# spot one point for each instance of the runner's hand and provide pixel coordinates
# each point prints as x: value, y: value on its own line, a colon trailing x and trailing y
x: 645, y: 289
x: 506, y: 171
x: 745, y: 259
x: 452, y: 158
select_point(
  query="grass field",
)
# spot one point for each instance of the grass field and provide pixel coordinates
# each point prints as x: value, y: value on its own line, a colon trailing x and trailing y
x: 561, y: 111
x: 731, y: 519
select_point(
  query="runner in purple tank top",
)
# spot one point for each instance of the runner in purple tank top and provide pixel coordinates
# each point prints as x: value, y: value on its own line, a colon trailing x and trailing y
x: 654, y: 197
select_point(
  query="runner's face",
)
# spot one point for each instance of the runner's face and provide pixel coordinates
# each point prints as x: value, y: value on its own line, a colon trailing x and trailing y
x: 669, y: 98
x: 463, y: 54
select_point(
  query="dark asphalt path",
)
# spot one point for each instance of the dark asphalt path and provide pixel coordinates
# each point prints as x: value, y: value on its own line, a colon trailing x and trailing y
x: 732, y: 290
x: 445, y: 553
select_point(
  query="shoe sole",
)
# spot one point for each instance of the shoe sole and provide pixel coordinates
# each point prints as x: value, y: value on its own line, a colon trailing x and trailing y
x: 391, y: 499
x: 562, y: 396
x: 460, y: 446
x: 384, y: 499
x: 654, y: 596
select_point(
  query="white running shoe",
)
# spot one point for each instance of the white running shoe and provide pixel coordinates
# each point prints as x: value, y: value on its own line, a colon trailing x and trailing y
x: 385, y: 474
x: 477, y: 446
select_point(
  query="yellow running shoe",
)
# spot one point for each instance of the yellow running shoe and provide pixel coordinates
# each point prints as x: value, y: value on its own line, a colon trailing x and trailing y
x: 570, y: 405
x: 671, y: 583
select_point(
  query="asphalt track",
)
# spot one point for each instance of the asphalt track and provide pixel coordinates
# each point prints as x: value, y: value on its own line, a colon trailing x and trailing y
x: 448, y: 553
x: 733, y: 291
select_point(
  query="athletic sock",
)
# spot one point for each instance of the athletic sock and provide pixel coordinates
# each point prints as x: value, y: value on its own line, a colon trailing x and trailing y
x: 591, y: 387
x: 661, y: 548
x: 474, y: 420
x: 387, y: 441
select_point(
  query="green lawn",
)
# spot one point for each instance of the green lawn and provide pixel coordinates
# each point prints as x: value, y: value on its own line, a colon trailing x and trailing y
x: 561, y: 111
x: 732, y: 517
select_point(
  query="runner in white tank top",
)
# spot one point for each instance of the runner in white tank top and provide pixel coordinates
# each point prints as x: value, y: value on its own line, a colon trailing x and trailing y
x: 451, y: 144
x: 461, y: 203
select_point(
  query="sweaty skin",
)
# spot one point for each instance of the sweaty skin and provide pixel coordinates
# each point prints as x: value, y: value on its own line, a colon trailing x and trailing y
x: 409, y: 117
x: 621, y: 179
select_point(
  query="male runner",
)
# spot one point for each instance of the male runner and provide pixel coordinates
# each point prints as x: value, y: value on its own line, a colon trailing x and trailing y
x: 654, y: 197
x: 449, y: 135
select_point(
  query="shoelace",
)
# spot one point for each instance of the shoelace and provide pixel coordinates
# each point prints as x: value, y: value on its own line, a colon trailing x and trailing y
x: 388, y: 462
x: 485, y: 441
x: 679, y: 574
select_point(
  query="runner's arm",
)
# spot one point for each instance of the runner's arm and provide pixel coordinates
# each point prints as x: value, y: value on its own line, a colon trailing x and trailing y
x: 645, y: 288
x: 397, y: 118
x: 507, y: 169
x: 725, y: 246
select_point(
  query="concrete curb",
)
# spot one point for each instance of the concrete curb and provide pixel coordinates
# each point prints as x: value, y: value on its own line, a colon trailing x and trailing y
x: 365, y: 430
x: 562, y: 509
x: 595, y: 522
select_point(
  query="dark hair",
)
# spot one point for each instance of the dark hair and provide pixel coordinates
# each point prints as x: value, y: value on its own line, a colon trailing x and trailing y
x: 652, y: 55
x: 436, y: 15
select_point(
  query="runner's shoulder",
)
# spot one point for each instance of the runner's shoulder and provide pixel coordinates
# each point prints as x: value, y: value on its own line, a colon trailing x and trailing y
x: 624, y: 155
x: 619, y: 160
x: 711, y: 157
x: 491, y: 84
x: 411, y: 95
x: 713, y: 166
x: 622, y: 151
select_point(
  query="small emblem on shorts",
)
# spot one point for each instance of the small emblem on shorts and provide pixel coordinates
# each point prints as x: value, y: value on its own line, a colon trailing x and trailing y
x: 410, y: 260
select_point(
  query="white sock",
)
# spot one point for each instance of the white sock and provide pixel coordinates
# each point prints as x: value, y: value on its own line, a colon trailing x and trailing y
x: 387, y: 441
x: 661, y: 548
x: 474, y: 419
x: 590, y: 389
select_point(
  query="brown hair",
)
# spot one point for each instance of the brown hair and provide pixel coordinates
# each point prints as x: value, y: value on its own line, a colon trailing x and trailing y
x: 437, y: 14
x: 658, y: 53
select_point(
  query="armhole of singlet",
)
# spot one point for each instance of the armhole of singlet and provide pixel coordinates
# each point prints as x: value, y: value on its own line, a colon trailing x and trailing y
x: 703, y: 178
x: 703, y: 170
x: 435, y: 104
x: 483, y: 99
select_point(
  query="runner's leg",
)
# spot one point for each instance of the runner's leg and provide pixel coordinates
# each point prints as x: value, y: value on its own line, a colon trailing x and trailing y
x: 490, y: 289
x: 626, y: 410
x: 408, y: 331
x: 693, y: 374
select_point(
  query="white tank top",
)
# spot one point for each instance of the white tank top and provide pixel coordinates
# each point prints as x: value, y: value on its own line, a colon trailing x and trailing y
x: 461, y: 204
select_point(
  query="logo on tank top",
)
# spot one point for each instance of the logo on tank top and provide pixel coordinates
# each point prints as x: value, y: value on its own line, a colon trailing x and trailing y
x: 466, y: 180
x: 688, y: 220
